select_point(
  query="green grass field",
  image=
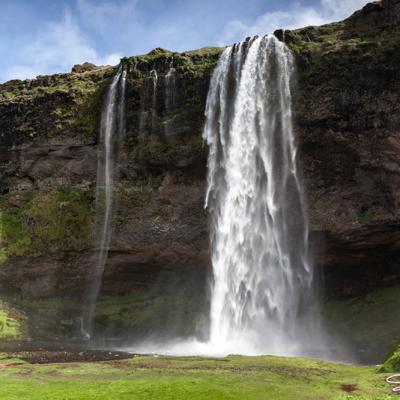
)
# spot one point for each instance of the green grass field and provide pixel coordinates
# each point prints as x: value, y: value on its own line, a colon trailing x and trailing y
x: 193, y: 378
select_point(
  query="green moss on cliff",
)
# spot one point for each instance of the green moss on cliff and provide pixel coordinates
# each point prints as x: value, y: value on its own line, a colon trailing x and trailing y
x: 199, y: 62
x: 15, y: 239
x: 58, y: 104
x: 194, y: 62
x: 12, y: 323
x: 341, y: 46
x: 177, y: 152
x: 89, y: 105
x: 48, y: 318
x: 58, y: 219
x: 392, y: 363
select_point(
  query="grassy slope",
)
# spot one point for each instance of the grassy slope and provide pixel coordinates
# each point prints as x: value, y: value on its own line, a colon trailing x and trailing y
x: 191, y: 378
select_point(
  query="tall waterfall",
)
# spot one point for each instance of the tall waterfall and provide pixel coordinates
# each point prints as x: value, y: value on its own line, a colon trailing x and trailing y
x: 262, y: 297
x: 111, y: 134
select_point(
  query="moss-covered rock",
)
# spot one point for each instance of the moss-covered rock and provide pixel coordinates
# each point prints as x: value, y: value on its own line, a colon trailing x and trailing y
x: 392, y: 363
x: 43, y: 222
x: 156, y: 152
x: 13, y: 324
x: 53, y: 108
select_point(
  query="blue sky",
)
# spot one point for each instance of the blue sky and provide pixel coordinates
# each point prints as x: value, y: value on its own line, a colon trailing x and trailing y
x: 48, y: 36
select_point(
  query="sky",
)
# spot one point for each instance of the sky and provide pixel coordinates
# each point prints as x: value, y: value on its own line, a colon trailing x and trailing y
x: 40, y: 37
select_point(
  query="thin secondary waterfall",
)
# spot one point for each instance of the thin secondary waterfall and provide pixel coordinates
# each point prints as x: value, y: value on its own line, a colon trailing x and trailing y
x: 154, y: 79
x: 262, y: 297
x: 170, y: 98
x: 170, y: 88
x: 111, y: 134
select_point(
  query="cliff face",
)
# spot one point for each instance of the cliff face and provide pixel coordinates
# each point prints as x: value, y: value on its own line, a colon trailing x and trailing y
x: 348, y: 124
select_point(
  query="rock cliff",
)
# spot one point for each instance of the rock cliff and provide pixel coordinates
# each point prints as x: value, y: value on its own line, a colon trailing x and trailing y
x: 348, y: 124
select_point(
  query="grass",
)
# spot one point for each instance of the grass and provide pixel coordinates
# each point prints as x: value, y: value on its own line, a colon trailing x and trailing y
x: 168, y: 378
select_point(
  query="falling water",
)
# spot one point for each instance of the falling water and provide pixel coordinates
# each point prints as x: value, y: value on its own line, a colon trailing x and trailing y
x: 154, y: 79
x: 262, y: 298
x: 170, y: 98
x: 263, y: 291
x: 170, y: 88
x: 111, y: 134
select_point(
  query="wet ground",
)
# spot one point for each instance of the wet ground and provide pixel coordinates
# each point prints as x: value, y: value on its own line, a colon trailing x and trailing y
x: 50, y: 352
x: 49, y: 357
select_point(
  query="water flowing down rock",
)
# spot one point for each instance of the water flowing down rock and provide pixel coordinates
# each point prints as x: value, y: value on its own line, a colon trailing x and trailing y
x: 263, y: 296
x: 170, y: 99
x: 111, y: 133
x: 154, y: 79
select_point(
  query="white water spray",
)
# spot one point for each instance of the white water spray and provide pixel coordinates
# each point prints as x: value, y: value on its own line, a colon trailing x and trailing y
x: 262, y: 298
x: 111, y: 134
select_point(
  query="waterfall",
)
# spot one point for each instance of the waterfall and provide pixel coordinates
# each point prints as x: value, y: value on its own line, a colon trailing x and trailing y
x: 170, y: 98
x: 112, y: 131
x: 263, y: 283
x: 154, y: 79
x: 263, y: 294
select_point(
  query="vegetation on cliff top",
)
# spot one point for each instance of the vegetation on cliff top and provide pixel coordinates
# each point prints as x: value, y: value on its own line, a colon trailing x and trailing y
x: 73, y: 102
x: 193, y: 62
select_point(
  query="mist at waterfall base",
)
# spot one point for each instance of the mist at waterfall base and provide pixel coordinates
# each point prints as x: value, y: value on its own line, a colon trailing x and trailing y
x: 263, y: 287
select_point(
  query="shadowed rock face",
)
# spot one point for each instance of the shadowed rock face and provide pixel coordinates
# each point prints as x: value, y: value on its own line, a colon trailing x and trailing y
x: 348, y: 125
x: 349, y: 131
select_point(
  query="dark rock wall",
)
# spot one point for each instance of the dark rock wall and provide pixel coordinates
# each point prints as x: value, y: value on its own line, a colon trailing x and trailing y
x: 348, y: 117
x: 348, y: 123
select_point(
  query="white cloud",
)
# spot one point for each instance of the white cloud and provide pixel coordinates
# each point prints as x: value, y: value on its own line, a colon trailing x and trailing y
x: 99, y: 14
x: 296, y: 17
x: 99, y: 30
x: 338, y: 9
x: 57, y: 48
